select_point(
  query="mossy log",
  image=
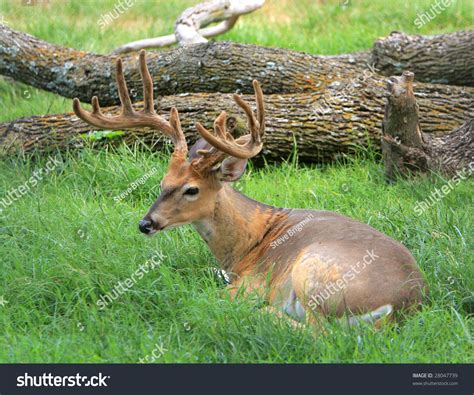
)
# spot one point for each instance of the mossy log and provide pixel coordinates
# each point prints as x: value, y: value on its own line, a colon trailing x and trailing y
x: 324, y: 127
x: 442, y: 59
x: 218, y: 67
x: 208, y: 67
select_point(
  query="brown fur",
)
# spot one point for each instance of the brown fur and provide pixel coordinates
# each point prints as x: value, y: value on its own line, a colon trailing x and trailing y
x: 240, y: 232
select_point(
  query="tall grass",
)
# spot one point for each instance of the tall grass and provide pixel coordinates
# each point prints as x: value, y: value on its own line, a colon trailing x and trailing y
x: 67, y: 242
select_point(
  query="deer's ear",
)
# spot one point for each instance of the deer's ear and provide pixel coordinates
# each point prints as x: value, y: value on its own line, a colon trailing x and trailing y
x: 231, y: 169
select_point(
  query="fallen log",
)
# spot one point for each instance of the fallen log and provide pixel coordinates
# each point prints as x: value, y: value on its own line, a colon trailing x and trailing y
x: 407, y: 149
x: 208, y: 67
x: 441, y: 59
x: 324, y: 127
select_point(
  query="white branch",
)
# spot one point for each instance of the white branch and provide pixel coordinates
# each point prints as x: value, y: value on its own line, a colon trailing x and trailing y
x: 190, y: 26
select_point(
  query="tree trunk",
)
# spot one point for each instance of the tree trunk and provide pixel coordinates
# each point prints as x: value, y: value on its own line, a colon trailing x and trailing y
x: 323, y: 127
x: 407, y: 149
x: 442, y: 59
x: 210, y: 67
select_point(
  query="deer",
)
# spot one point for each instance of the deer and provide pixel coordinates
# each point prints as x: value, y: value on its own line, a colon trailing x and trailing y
x: 306, y: 264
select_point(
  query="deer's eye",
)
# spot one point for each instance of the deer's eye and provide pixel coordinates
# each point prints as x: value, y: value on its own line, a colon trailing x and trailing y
x: 191, y: 191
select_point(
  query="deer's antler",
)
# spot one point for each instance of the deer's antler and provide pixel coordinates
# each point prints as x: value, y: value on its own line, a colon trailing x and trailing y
x: 224, y: 144
x: 129, y: 118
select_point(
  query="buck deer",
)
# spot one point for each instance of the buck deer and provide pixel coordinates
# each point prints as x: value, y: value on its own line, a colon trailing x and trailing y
x: 305, y: 263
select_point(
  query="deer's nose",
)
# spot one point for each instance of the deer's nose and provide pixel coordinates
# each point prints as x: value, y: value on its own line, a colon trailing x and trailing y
x: 145, y: 226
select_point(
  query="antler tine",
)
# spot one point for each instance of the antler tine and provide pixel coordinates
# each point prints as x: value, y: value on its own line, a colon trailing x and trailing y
x: 260, y: 106
x: 225, y: 144
x: 149, y: 105
x: 177, y: 134
x: 95, y: 105
x: 129, y: 118
x: 127, y: 108
x: 220, y: 127
x: 256, y: 125
x: 245, y: 146
x: 252, y: 122
x: 95, y: 118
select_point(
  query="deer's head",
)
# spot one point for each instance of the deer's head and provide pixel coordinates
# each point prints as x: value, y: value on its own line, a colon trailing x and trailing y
x: 191, y: 185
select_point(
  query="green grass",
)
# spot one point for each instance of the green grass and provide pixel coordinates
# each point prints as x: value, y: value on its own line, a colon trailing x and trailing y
x: 67, y: 242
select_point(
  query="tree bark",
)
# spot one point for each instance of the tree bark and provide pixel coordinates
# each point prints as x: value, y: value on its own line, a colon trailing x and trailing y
x: 407, y: 149
x: 210, y: 67
x: 220, y: 67
x: 441, y: 59
x: 324, y: 127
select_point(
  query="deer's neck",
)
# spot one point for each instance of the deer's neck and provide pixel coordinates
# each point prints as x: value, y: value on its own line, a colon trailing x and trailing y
x: 237, y: 225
